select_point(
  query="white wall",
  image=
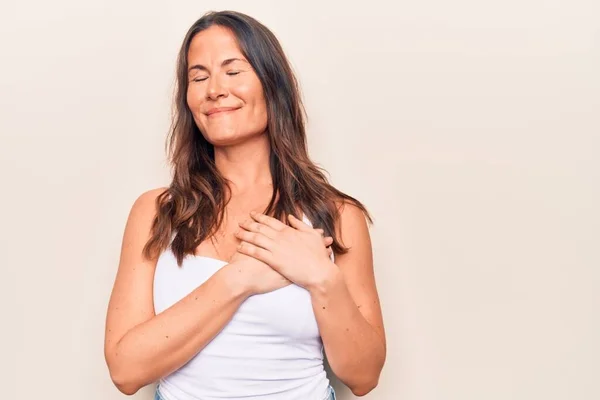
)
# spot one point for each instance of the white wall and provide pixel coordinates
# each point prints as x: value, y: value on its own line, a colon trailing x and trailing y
x: 470, y: 129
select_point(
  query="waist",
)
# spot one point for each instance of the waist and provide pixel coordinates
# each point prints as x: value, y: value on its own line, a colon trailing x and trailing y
x: 330, y: 394
x: 238, y: 379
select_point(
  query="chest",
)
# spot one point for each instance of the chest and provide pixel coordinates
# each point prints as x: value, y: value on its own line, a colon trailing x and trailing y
x: 223, y: 244
x: 285, y: 313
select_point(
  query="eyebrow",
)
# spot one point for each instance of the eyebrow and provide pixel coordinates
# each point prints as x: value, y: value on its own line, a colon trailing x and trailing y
x: 224, y: 63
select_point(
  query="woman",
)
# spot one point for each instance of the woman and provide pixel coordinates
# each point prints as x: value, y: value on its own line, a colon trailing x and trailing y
x: 225, y: 287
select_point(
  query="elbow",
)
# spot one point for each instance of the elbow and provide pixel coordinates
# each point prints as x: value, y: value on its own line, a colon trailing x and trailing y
x: 364, y: 387
x: 360, y: 381
x: 127, y: 389
x: 124, y: 383
x: 365, y: 382
x: 124, y: 377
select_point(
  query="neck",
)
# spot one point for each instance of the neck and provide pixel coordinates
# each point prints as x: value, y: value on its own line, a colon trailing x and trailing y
x: 245, y: 165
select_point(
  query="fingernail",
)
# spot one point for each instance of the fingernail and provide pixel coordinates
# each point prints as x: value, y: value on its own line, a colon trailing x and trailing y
x: 253, y: 213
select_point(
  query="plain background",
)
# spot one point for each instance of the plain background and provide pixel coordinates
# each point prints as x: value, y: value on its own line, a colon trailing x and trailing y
x: 470, y: 129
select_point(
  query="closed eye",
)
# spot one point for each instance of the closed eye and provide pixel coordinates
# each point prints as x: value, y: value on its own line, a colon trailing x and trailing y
x: 231, y: 73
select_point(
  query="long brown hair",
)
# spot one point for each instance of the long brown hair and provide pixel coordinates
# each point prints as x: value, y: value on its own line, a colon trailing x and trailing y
x: 193, y: 206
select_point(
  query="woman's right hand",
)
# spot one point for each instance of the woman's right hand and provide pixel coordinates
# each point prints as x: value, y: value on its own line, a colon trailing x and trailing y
x: 256, y: 277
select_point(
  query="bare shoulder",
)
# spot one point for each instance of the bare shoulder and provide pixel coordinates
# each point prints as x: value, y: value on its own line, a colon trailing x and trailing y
x: 352, y: 227
x: 146, y: 202
x: 139, y: 223
x: 138, y: 227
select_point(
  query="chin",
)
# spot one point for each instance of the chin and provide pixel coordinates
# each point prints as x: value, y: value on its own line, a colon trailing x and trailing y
x: 223, y: 139
x: 230, y: 138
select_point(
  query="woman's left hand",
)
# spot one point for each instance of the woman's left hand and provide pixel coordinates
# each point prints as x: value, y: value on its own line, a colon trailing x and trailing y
x: 297, y: 252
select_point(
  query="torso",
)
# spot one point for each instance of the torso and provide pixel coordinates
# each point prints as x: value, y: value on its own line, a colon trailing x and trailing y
x: 270, y: 350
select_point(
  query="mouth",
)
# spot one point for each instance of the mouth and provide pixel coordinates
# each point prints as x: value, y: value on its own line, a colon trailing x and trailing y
x: 220, y: 111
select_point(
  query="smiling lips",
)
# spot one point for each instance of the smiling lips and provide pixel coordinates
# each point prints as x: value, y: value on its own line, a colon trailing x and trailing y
x: 220, y: 110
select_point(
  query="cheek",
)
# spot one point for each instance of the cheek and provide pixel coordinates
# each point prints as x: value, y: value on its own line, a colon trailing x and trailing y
x: 260, y: 112
x: 195, y: 105
x: 261, y: 104
x: 192, y: 97
x: 255, y: 98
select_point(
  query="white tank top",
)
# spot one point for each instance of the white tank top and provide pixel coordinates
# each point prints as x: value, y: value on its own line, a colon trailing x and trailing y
x: 270, y: 349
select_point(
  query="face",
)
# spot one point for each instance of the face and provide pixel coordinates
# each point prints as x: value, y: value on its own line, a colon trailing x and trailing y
x: 224, y: 93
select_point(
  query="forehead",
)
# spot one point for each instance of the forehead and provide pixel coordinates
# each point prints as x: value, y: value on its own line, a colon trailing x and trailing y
x: 213, y: 45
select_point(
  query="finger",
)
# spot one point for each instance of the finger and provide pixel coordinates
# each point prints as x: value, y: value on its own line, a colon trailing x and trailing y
x: 255, y: 238
x: 328, y: 241
x: 329, y: 251
x: 253, y: 226
x: 268, y: 221
x: 321, y: 231
x: 297, y: 224
x: 256, y: 252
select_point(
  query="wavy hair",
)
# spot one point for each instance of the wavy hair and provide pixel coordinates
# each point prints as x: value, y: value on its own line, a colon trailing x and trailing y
x: 192, y: 209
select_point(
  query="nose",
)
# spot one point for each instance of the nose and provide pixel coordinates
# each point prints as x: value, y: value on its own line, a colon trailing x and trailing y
x: 215, y: 89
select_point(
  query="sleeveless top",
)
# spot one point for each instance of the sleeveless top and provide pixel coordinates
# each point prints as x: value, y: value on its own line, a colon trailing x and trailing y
x: 269, y: 350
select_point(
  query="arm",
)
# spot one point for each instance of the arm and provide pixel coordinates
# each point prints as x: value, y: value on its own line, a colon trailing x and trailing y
x: 346, y: 305
x: 141, y: 347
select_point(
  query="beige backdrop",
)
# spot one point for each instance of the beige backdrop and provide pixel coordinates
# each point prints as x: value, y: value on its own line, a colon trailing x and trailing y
x: 470, y: 129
